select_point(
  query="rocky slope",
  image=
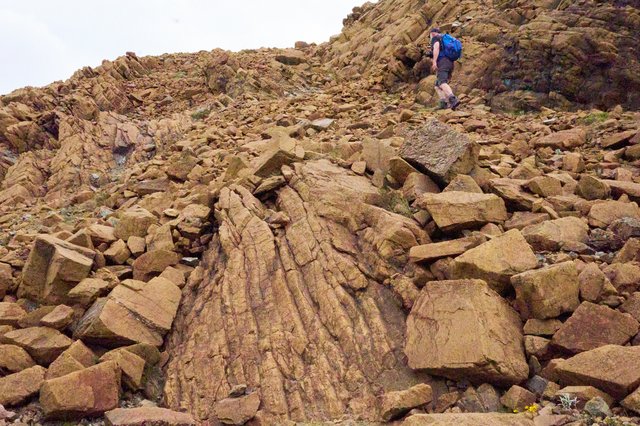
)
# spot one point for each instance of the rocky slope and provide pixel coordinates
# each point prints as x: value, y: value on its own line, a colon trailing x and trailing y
x: 279, y: 236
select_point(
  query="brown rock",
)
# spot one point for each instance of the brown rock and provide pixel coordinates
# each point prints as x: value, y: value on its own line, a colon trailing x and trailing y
x: 75, y: 358
x: 618, y: 140
x: 153, y: 263
x: 44, y: 344
x: 517, y: 398
x: 496, y: 260
x: 147, y: 416
x: 88, y: 290
x: 552, y: 235
x: 399, y: 169
x: 545, y: 186
x: 118, y: 253
x: 398, y: 403
x: 632, y: 401
x: 53, y: 268
x: 59, y: 318
x: 520, y: 220
x: 174, y: 275
x: 584, y: 394
x: 542, y: 327
x: 571, y: 138
x: 14, y: 359
x: 11, y: 313
x: 468, y: 419
x: 427, y: 252
x: 454, y: 210
x: 237, y: 411
x: 84, y: 393
x: 592, y: 326
x: 439, y: 151
x: 160, y: 238
x: 632, y: 306
x: 547, y: 292
x: 101, y: 234
x: 417, y: 184
x: 130, y: 364
x: 134, y: 222
x: 594, y: 284
x: 591, y: 188
x: 463, y: 183
x: 16, y: 388
x: 440, y: 342
x: 611, y: 368
x: 513, y: 193
x: 603, y: 214
x: 136, y: 245
x: 378, y: 154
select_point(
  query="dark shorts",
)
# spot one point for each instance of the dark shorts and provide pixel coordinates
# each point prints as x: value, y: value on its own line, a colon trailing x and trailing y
x: 445, y: 69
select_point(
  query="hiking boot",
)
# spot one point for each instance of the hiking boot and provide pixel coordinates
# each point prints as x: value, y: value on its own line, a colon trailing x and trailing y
x: 443, y: 104
x: 453, y: 102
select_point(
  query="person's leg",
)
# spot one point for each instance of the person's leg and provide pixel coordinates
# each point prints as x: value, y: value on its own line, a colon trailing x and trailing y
x: 443, y: 96
x: 446, y: 89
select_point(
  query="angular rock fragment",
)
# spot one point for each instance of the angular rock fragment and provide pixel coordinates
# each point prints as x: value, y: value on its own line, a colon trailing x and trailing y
x: 153, y: 263
x: 455, y: 210
x: 59, y: 318
x: 604, y: 214
x: 552, y: 235
x: 496, y: 260
x: 146, y: 416
x: 11, y: 313
x: 130, y: 364
x: 44, y: 344
x: 134, y: 222
x: 395, y: 404
x: 518, y: 398
x: 434, y: 251
x: 468, y: 419
x: 14, y: 359
x: 88, y: 290
x: 567, y: 139
x: 16, y: 388
x: 75, y: 358
x: 440, y: 341
x: 439, y: 151
x: 237, y: 411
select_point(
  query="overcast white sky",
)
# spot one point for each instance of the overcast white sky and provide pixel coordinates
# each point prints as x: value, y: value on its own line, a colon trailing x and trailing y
x: 46, y: 40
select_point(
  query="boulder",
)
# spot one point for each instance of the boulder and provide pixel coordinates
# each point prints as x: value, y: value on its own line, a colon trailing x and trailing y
x: 83, y: 393
x: 594, y: 284
x: 518, y: 398
x: 75, y: 358
x: 547, y: 292
x: 147, y: 416
x: 565, y: 139
x: 11, y: 313
x: 399, y: 169
x: 417, y: 184
x: 469, y: 419
x: 552, y: 235
x: 16, y: 388
x: 53, y: 268
x: 59, y: 318
x: 130, y: 364
x: 291, y: 57
x: 134, y: 222
x: 14, y: 359
x: 88, y: 290
x: 440, y: 341
x: 454, y: 210
x: 153, y: 263
x: 592, y: 326
x: 237, y: 411
x: 434, y: 251
x: 44, y: 344
x: 496, y: 261
x: 513, y: 193
x: 604, y: 214
x: 613, y: 369
x: 632, y: 401
x: 101, y: 234
x: 591, y: 188
x: 118, y: 253
x: 397, y: 403
x: 378, y: 154
x: 545, y: 186
x: 439, y: 151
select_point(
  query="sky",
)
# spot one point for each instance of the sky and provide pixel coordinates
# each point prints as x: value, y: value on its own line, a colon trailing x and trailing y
x: 42, y: 41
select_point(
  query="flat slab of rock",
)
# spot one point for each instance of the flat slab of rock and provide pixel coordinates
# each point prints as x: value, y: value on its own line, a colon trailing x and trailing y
x: 14, y: 359
x: 427, y: 252
x: 496, y: 261
x: 53, y: 268
x: 604, y: 214
x: 75, y: 358
x: 11, y: 313
x: 468, y: 419
x: 563, y: 139
x: 84, y: 393
x: 153, y: 263
x: 395, y: 404
x: 456, y: 210
x: 441, y: 342
x: 147, y: 416
x: 440, y: 151
x: 237, y: 411
x: 134, y: 222
x: 613, y: 369
x: 16, y: 388
x: 552, y: 235
x: 44, y: 344
x: 592, y: 326
x: 548, y: 292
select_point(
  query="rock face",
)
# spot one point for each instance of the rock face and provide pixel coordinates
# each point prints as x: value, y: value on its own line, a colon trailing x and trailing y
x: 299, y: 279
x: 496, y: 260
x: 440, y: 341
x: 440, y: 151
x: 456, y: 210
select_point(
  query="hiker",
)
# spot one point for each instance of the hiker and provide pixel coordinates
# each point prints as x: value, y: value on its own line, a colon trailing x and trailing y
x: 443, y: 67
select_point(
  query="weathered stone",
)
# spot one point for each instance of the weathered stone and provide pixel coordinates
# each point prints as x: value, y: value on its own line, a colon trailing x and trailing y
x: 594, y: 284
x: 130, y: 364
x: 545, y: 186
x: 44, y: 344
x: 632, y: 401
x: 53, y: 268
x: 430, y: 252
x: 153, y: 263
x: 463, y: 183
x: 513, y: 193
x: 147, y: 416
x: 468, y: 419
x: 547, y: 292
x: 395, y: 404
x: 136, y: 245
x: 237, y: 411
x: 440, y: 341
x: 118, y: 253
x: 591, y: 188
x: 101, y: 234
x: 618, y: 139
x: 417, y: 184
x: 552, y: 235
x: 517, y: 398
x: 592, y: 326
x: 584, y: 394
x: 11, y: 313
x: 14, y: 359
x: 88, y: 290
x: 16, y: 388
x: 59, y: 318
x: 399, y: 169
x: 83, y: 393
x: 542, y: 327
x: 439, y: 151
x: 461, y: 210
x: 604, y: 214
x: 75, y: 358
x: 632, y: 306
x: 134, y: 222
x: 521, y: 220
x: 496, y: 260
x: 378, y: 154
x: 567, y: 139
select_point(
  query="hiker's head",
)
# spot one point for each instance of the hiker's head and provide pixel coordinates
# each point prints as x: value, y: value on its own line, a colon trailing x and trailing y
x: 434, y: 32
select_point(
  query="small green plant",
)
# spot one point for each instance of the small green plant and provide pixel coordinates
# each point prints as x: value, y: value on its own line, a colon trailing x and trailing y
x: 568, y: 402
x: 596, y: 117
x: 201, y: 113
x: 395, y: 202
x: 179, y: 74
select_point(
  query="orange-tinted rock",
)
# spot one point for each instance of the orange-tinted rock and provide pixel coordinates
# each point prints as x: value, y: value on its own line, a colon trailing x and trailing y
x: 237, y: 411
x: 153, y: 263
x: 16, y: 388
x: 44, y: 344
x: 146, y: 416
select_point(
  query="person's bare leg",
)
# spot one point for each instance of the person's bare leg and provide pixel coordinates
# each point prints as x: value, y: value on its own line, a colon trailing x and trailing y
x: 441, y: 94
x: 444, y: 87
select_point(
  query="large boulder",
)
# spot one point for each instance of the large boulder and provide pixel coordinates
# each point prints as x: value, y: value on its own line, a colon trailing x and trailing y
x: 547, y: 292
x: 53, y: 268
x: 440, y: 341
x: 455, y: 210
x: 440, y: 151
x: 84, y: 393
x: 552, y: 235
x: 44, y: 344
x: 612, y: 368
x: 592, y: 326
x: 16, y: 388
x: 433, y: 251
x: 496, y: 261
x: 134, y: 222
x: 604, y: 214
x: 75, y: 358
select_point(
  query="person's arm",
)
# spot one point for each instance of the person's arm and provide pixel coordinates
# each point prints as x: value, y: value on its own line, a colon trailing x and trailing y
x: 436, y: 53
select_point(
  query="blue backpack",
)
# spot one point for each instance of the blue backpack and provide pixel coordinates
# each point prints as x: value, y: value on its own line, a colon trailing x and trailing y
x: 452, y: 47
